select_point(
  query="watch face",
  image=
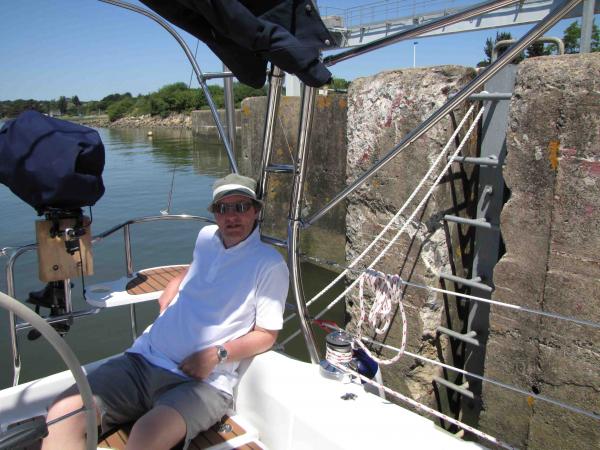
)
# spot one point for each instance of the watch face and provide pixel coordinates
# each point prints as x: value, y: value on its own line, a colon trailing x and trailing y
x: 221, y: 353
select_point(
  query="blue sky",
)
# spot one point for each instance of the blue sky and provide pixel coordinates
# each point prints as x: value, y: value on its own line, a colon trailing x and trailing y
x: 91, y: 49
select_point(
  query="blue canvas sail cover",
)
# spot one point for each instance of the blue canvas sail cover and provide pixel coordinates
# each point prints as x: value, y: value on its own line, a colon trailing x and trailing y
x: 245, y: 34
x: 51, y: 163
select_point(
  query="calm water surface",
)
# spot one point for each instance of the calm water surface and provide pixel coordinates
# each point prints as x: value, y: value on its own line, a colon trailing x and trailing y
x: 137, y: 177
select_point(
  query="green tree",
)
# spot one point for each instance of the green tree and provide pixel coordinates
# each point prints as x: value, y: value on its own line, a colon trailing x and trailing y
x: 339, y: 84
x: 76, y: 103
x: 62, y: 104
x: 537, y: 49
x: 120, y: 108
x: 112, y: 98
x: 158, y: 106
x: 242, y: 91
x: 572, y: 35
x: 489, y: 47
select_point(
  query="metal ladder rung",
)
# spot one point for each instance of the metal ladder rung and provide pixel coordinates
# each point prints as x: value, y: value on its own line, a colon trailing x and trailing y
x: 483, y: 161
x: 492, y: 96
x: 280, y: 168
x: 469, y: 337
x: 455, y: 387
x: 473, y: 282
x: 479, y: 223
x: 273, y: 241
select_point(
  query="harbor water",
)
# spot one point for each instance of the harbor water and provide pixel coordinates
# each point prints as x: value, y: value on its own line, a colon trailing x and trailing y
x: 144, y: 175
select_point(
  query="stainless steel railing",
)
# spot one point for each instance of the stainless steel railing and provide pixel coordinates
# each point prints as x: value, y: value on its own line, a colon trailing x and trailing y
x: 15, y: 327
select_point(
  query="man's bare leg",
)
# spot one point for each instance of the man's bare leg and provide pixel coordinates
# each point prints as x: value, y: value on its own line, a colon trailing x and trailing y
x: 160, y: 428
x: 68, y: 433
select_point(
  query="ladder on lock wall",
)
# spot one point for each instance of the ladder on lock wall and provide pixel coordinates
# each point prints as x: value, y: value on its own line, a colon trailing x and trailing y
x: 468, y: 328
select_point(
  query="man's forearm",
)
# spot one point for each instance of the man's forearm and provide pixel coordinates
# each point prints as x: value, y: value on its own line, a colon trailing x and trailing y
x: 256, y: 341
x: 171, y: 290
x: 200, y: 364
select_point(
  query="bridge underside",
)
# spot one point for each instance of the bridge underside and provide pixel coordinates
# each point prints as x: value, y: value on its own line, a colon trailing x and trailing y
x: 519, y: 14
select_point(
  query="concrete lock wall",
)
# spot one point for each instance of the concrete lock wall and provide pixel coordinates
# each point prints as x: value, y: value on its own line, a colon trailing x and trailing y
x: 382, y: 110
x: 551, y: 230
x: 550, y: 227
x: 327, y: 162
x: 204, y: 124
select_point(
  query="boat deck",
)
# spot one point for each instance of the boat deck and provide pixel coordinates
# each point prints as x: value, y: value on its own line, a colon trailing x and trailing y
x: 153, y: 280
x: 146, y: 285
x: 227, y: 434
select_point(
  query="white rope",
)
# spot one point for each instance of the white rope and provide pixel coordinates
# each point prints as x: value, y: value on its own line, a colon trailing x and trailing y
x: 388, y: 292
x: 399, y: 233
x: 404, y: 206
x: 427, y: 409
x: 396, y: 216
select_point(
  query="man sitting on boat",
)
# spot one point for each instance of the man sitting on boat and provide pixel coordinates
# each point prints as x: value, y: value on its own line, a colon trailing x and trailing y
x: 178, y: 377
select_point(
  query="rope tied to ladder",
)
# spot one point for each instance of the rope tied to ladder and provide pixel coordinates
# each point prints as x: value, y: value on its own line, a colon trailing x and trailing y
x: 388, y: 293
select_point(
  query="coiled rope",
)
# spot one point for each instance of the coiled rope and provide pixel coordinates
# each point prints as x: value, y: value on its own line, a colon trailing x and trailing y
x: 388, y: 293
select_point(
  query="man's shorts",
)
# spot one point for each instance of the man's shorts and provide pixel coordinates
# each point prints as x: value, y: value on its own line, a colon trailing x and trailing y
x: 128, y: 386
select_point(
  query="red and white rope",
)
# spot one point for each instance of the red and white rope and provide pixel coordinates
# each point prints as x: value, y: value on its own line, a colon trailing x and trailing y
x: 335, y: 357
x: 388, y: 293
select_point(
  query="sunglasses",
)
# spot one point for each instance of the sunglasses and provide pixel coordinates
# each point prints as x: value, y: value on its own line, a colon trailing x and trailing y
x: 223, y: 208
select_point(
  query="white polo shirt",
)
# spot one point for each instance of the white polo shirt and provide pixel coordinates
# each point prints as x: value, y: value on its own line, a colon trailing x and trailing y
x: 224, y: 294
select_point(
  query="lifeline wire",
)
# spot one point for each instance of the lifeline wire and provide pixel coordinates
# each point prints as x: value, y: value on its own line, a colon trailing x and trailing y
x: 500, y: 303
x: 167, y: 211
x: 575, y: 409
x: 511, y: 387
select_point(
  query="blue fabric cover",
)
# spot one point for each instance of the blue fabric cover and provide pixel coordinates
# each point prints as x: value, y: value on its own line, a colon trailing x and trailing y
x: 49, y: 162
x: 245, y: 34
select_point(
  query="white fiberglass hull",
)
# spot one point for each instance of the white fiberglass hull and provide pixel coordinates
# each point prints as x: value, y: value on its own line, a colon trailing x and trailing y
x: 291, y: 405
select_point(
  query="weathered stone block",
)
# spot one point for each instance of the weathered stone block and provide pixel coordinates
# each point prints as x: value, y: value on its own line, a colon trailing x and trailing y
x: 550, y: 227
x: 327, y: 168
x: 382, y: 110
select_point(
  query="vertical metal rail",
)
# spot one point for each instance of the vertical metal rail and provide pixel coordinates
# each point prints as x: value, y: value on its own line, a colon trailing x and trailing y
x: 273, y: 99
x: 307, y: 104
x: 199, y: 76
x: 229, y: 108
x: 10, y: 288
x: 129, y: 269
x: 587, y: 22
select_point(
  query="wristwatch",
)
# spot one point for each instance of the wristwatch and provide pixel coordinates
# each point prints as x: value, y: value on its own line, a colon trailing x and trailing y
x: 222, y: 354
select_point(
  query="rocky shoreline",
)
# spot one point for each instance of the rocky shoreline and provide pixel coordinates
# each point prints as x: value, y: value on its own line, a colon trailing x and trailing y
x: 145, y: 121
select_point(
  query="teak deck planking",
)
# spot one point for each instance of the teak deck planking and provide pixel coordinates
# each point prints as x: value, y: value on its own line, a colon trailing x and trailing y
x: 153, y: 280
x: 202, y: 441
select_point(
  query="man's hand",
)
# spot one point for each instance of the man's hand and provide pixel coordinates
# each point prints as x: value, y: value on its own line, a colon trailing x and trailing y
x: 200, y: 364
